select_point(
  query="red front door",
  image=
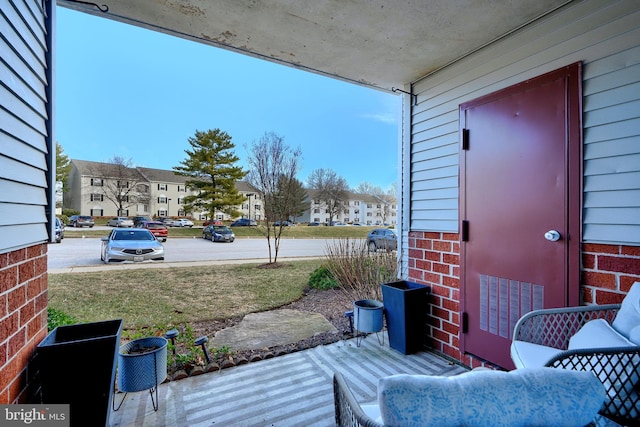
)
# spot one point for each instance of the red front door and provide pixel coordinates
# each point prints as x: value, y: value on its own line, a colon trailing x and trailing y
x: 520, y: 216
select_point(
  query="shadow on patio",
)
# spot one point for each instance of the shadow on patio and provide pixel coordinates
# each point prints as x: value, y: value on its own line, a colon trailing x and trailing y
x: 291, y: 390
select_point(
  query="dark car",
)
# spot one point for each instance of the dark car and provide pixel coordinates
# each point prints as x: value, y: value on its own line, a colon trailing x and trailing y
x: 140, y: 219
x: 59, y: 227
x: 81, y: 221
x: 156, y: 228
x: 244, y: 222
x: 284, y: 223
x: 315, y: 224
x: 218, y: 233
x: 382, y: 238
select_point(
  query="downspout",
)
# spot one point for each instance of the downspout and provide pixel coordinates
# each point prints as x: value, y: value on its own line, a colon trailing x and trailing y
x: 50, y: 209
x: 404, y: 180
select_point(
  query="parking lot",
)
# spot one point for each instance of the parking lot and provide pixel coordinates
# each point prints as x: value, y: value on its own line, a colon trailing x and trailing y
x: 80, y: 252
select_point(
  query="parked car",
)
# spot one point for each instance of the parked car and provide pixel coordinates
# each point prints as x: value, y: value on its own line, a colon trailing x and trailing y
x: 182, y: 222
x: 120, y: 221
x: 138, y: 220
x: 244, y: 222
x: 314, y: 224
x: 218, y: 233
x: 284, y: 223
x: 81, y: 221
x: 59, y: 230
x: 131, y: 244
x: 382, y: 238
x: 212, y: 222
x: 163, y: 219
x: 156, y: 228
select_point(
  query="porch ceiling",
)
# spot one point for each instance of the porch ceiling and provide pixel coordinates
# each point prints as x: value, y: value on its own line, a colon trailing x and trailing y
x: 377, y: 43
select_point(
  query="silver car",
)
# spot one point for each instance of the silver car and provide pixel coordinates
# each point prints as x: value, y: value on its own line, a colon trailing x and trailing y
x: 120, y: 221
x: 131, y: 244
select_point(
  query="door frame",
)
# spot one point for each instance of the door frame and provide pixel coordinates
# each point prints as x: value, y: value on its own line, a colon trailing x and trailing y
x: 573, y: 173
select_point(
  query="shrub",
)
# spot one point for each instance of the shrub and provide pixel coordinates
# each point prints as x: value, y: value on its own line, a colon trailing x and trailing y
x: 358, y: 272
x: 70, y: 212
x: 58, y: 318
x: 322, y: 279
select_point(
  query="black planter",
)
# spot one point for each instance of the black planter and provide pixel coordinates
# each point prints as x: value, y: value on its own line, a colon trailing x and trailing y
x: 405, y: 305
x: 78, y: 366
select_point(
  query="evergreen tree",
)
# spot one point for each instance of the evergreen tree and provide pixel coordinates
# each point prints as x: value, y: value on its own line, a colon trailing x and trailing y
x: 210, y: 167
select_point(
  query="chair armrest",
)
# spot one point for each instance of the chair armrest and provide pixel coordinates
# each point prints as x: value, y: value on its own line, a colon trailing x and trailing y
x: 347, y: 410
x: 552, y: 327
x: 618, y: 368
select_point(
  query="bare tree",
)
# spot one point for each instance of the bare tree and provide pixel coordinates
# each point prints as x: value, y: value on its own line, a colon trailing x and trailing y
x: 273, y: 167
x: 385, y: 198
x: 122, y: 183
x: 332, y: 190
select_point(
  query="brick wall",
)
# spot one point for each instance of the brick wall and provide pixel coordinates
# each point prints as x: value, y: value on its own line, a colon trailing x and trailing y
x: 608, y: 271
x: 23, y: 318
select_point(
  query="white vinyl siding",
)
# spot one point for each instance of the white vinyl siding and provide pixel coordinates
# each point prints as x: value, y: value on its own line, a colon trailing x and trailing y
x: 24, y: 139
x: 605, y: 36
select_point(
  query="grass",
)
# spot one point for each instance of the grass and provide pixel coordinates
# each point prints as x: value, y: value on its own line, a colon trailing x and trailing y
x: 300, y: 232
x: 147, y: 297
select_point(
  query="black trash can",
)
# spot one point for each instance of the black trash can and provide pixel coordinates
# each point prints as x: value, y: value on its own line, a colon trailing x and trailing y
x: 405, y: 305
x: 78, y: 366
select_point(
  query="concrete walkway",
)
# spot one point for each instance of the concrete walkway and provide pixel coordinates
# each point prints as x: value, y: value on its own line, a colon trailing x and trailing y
x: 291, y: 390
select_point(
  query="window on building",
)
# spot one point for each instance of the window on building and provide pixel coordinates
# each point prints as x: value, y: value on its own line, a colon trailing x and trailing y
x: 123, y: 184
x: 182, y: 188
x: 378, y: 206
x: 142, y: 188
x: 95, y: 197
x: 346, y: 219
x: 356, y: 211
x: 316, y: 202
x: 162, y: 212
x: 96, y: 182
x: 125, y: 199
x: 181, y: 212
x: 162, y: 187
x: 316, y: 219
x: 162, y: 199
x: 316, y: 210
x: 369, y: 205
x: 123, y: 212
x: 96, y: 212
x: 346, y: 211
x: 393, y: 206
x: 257, y: 207
x: 180, y: 200
x: 369, y: 214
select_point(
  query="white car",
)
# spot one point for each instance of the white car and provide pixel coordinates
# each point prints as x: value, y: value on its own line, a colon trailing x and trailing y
x: 182, y: 222
x: 120, y: 221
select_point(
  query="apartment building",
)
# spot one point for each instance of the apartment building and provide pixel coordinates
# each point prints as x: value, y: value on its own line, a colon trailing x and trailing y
x: 106, y: 189
x: 362, y: 209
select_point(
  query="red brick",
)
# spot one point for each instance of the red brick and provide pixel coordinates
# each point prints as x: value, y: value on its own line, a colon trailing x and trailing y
x: 41, y: 302
x: 432, y: 235
x: 441, y: 291
x: 456, y: 248
x: 416, y: 254
x: 599, y: 280
x: 424, y: 244
x: 451, y: 352
x: 451, y: 259
x: 434, y: 321
x: 415, y: 274
x: 605, y: 297
x: 435, y: 300
x: 452, y: 329
x: 588, y: 295
x: 416, y: 234
x: 455, y: 318
x: 8, y: 326
x: 451, y: 305
x: 441, y: 246
x: 451, y: 236
x: 618, y: 264
x: 27, y: 312
x: 424, y: 265
x: 411, y: 263
x: 432, y: 256
x: 9, y: 279
x: 34, y: 251
x: 17, y: 342
x: 588, y: 261
x: 451, y: 282
x: 26, y: 271
x: 630, y: 250
x: 440, y: 313
x: 17, y: 256
x: 600, y: 249
x: 441, y: 268
x: 441, y: 336
x: 627, y: 281
x: 455, y: 272
x: 17, y: 298
x: 432, y: 278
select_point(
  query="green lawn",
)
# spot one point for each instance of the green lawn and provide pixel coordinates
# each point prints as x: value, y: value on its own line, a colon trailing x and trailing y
x: 152, y: 297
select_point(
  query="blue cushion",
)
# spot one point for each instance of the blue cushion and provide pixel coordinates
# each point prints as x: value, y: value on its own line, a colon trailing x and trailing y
x: 524, y: 397
x: 629, y: 315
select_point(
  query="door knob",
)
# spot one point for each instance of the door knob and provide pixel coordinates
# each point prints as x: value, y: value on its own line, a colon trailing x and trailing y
x: 552, y: 235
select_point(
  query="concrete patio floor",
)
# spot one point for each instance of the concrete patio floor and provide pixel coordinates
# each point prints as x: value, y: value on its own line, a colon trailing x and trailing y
x: 291, y: 390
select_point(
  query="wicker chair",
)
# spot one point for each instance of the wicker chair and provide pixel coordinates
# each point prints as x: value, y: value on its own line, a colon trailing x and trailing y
x: 617, y: 368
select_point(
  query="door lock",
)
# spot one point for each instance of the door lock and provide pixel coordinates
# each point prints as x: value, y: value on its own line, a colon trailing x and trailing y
x: 552, y: 235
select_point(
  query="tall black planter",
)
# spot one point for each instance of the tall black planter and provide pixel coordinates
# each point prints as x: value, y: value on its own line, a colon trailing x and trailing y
x: 405, y: 304
x: 78, y: 367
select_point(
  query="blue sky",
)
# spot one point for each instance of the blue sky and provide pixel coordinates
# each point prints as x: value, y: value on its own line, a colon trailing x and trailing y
x: 139, y: 94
